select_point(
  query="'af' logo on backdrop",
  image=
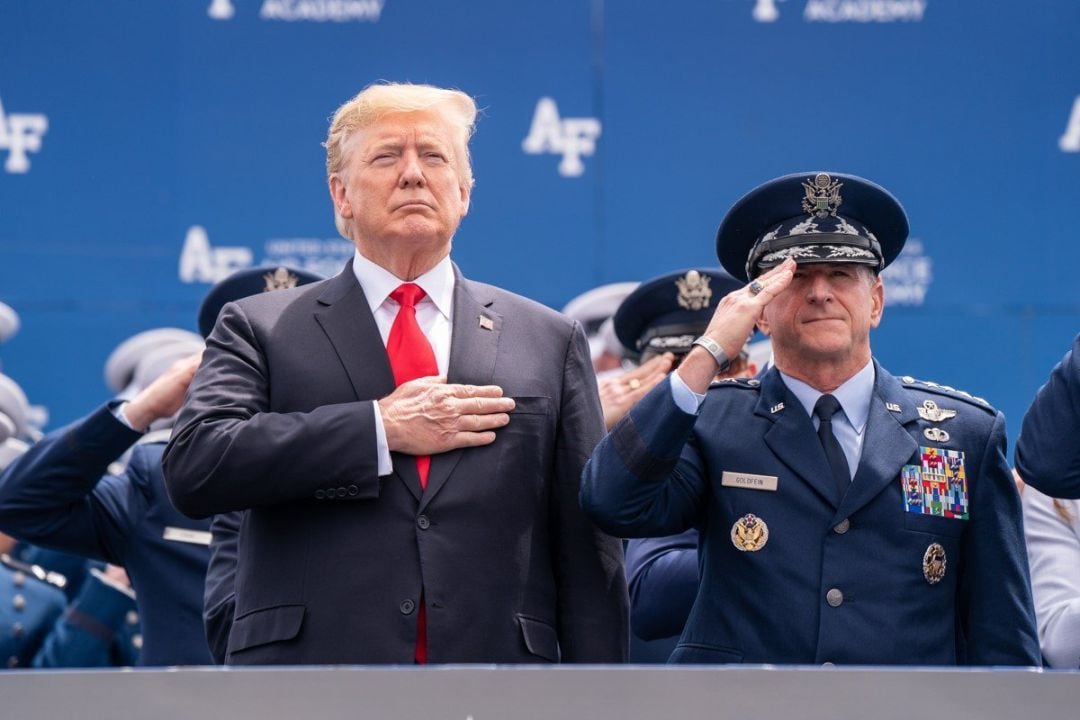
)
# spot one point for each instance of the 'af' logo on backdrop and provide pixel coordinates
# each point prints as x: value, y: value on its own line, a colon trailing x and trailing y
x: 20, y: 133
x: 573, y: 138
x: 201, y: 263
x: 1070, y: 141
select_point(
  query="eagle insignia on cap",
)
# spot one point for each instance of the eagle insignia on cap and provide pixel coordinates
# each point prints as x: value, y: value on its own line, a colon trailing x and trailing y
x: 280, y: 279
x: 822, y: 196
x: 694, y: 290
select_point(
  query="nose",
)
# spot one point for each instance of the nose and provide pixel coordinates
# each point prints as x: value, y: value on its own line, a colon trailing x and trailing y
x: 819, y: 289
x: 412, y: 174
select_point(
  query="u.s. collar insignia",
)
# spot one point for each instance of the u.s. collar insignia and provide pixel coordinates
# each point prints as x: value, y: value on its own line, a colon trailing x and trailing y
x: 822, y: 196
x: 933, y: 564
x: 694, y: 290
x: 749, y: 533
x: 776, y: 408
x: 280, y: 279
x: 930, y: 411
x: 937, y: 435
x: 892, y: 407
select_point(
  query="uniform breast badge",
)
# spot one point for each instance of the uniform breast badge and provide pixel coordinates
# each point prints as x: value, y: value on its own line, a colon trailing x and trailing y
x: 937, y: 485
x: 933, y: 564
x: 934, y: 434
x: 930, y: 411
x: 749, y: 533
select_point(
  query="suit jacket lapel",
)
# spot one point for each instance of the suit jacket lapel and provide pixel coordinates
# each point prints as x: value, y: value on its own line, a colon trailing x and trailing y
x: 474, y: 344
x: 346, y: 319
x: 792, y: 437
x: 887, y: 446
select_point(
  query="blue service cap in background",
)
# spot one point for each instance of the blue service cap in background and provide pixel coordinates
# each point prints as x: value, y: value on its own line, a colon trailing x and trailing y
x: 123, y: 361
x: 813, y: 217
x: 248, y: 282
x: 667, y: 313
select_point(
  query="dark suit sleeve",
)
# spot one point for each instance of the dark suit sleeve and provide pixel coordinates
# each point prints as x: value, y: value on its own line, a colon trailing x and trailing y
x: 229, y: 451
x: 636, y: 484
x: 1048, y: 450
x: 663, y: 577
x: 592, y: 601
x: 55, y: 495
x: 219, y: 596
x: 996, y: 613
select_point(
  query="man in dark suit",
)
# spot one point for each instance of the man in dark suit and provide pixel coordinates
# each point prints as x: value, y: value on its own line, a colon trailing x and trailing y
x: 406, y: 444
x: 1047, y: 451
x: 812, y: 548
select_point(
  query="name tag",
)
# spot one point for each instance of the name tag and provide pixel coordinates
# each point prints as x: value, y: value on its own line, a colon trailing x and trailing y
x: 749, y: 482
x: 195, y: 537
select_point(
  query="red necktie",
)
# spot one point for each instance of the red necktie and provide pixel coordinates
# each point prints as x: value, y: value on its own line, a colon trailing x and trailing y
x: 411, y: 357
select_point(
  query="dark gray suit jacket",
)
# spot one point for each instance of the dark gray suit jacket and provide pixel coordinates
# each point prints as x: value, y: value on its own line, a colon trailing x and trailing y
x: 331, y: 558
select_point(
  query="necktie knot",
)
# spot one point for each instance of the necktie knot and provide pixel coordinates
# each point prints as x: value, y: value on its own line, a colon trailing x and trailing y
x: 408, y: 294
x: 826, y: 407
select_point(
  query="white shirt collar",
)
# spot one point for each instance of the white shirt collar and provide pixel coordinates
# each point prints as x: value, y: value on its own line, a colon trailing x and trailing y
x: 854, y: 395
x: 378, y: 283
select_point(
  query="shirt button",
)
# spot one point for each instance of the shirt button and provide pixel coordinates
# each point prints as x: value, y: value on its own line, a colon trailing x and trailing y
x: 422, y: 522
x: 406, y: 607
x: 320, y: 494
x: 842, y: 527
x: 834, y: 597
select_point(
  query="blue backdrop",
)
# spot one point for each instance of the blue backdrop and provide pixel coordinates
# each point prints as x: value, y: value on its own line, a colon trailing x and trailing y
x: 151, y: 147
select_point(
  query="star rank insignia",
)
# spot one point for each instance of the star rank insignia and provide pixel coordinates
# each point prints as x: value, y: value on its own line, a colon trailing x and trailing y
x: 749, y: 533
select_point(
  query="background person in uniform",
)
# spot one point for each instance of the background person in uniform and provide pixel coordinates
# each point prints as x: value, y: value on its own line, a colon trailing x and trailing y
x: 593, y: 309
x: 847, y: 516
x: 1048, y: 449
x: 61, y: 495
x: 406, y: 444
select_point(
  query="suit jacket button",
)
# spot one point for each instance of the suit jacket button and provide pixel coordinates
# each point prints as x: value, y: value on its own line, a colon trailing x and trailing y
x: 842, y: 527
x: 17, y: 629
x: 353, y: 491
x: 320, y: 494
x: 422, y: 522
x: 132, y: 617
x: 407, y: 606
x: 834, y: 597
x: 331, y: 493
x: 342, y: 492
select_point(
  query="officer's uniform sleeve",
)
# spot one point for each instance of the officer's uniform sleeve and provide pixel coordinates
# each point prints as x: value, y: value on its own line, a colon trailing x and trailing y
x: 1053, y: 545
x: 55, y: 494
x: 663, y: 578
x: 996, y: 614
x: 1048, y: 450
x: 644, y: 478
x: 85, y: 635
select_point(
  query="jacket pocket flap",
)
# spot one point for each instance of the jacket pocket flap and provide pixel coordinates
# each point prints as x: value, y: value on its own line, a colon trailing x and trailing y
x: 540, y: 637
x: 267, y: 625
x: 704, y: 654
x: 531, y: 406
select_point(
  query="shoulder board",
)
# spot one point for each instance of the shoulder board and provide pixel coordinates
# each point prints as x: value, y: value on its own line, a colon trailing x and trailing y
x: 744, y: 383
x: 925, y: 385
x: 51, y: 578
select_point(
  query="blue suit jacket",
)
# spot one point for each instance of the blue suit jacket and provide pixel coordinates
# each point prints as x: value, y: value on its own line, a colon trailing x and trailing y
x: 662, y: 574
x: 661, y: 471
x: 1048, y: 449
x: 59, y: 495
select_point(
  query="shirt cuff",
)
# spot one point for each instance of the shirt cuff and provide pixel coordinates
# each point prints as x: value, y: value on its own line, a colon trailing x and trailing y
x: 382, y: 448
x: 685, y: 399
x: 119, y: 414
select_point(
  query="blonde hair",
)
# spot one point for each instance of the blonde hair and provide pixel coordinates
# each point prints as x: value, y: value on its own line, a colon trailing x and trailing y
x: 378, y: 100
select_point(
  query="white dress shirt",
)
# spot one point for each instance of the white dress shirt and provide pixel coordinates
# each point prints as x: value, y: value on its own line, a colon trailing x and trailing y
x: 849, y: 424
x: 1053, y: 547
x: 434, y: 315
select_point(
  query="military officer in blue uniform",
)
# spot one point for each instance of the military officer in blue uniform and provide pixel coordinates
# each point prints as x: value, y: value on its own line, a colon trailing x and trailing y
x: 60, y: 495
x: 846, y: 515
x: 31, y: 601
x: 1048, y: 449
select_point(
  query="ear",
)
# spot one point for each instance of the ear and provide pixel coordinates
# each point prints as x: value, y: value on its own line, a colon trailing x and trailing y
x: 339, y: 196
x: 877, y: 301
x: 763, y: 323
x: 466, y: 195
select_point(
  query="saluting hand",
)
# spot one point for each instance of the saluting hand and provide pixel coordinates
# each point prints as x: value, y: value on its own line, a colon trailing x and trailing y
x: 733, y: 322
x: 164, y: 396
x: 619, y: 394
x: 428, y: 416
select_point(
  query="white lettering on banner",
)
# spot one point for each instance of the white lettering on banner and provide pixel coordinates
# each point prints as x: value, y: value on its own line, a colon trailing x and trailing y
x: 573, y: 138
x: 201, y: 263
x: 765, y: 11
x: 324, y: 257
x: 908, y: 277
x: 864, y: 11
x: 20, y: 133
x: 221, y: 10
x: 322, y: 10
x: 1070, y: 141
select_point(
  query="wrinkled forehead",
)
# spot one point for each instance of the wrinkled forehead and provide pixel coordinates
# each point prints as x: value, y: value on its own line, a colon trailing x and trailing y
x: 424, y: 127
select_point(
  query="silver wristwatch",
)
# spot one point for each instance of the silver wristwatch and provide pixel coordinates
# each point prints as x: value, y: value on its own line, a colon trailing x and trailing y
x: 717, y: 352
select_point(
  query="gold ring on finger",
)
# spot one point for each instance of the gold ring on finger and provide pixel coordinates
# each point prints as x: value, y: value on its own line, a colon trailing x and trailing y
x: 633, y: 383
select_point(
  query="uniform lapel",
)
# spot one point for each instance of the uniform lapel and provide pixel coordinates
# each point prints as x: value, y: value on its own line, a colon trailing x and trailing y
x: 345, y: 317
x: 887, y: 445
x: 792, y: 437
x: 474, y: 344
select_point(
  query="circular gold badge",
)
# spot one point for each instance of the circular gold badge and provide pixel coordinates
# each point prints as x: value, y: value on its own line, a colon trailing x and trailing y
x: 749, y: 533
x: 933, y: 564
